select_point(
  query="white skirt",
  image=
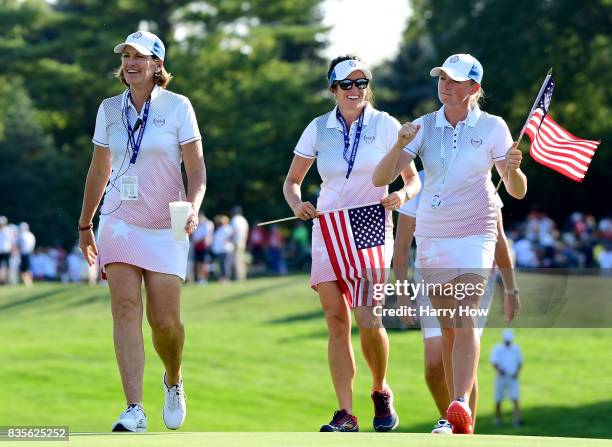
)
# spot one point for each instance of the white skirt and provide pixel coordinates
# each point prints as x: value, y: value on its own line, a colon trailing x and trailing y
x: 443, y: 259
x: 149, y: 249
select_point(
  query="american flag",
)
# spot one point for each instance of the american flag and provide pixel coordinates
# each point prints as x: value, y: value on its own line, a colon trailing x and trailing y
x: 355, y: 242
x: 555, y: 147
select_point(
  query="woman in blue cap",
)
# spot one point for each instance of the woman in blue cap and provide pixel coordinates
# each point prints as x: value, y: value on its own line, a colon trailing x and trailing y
x: 346, y: 144
x: 141, y: 138
x: 456, y: 223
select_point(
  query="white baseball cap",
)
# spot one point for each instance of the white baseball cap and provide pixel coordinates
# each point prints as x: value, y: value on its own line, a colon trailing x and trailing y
x: 460, y: 67
x: 508, y: 335
x: 343, y: 69
x: 145, y: 42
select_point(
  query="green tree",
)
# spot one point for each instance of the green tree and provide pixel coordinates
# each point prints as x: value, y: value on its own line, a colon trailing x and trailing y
x: 250, y: 68
x: 517, y: 41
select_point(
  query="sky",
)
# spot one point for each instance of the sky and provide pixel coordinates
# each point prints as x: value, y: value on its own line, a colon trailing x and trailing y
x: 370, y: 29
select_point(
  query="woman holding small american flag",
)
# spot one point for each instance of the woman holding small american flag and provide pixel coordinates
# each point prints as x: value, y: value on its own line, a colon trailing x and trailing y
x: 456, y: 223
x: 347, y: 143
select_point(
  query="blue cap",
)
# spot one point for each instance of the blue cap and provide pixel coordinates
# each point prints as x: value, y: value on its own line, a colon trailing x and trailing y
x: 460, y: 67
x: 145, y: 43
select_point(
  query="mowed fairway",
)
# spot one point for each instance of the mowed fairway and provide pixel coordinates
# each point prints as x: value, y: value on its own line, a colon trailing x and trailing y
x: 255, y: 360
x: 183, y: 439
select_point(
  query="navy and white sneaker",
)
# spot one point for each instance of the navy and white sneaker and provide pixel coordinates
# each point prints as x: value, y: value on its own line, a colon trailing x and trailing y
x: 342, y: 421
x: 385, y: 417
x: 443, y: 427
x: 174, y: 410
x: 132, y: 419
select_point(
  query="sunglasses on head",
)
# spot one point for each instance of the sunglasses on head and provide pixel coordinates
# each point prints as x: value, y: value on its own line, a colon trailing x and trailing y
x: 347, y: 84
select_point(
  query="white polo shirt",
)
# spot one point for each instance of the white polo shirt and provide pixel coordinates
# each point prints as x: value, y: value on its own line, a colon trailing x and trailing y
x: 467, y: 196
x: 171, y: 123
x: 508, y: 358
x: 410, y: 207
x: 323, y: 140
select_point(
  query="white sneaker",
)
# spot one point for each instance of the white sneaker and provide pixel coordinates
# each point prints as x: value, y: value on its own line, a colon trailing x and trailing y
x: 174, y: 410
x: 132, y: 419
x: 443, y: 427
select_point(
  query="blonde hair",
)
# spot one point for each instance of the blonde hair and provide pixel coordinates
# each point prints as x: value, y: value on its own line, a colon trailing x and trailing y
x: 477, y: 98
x: 161, y: 77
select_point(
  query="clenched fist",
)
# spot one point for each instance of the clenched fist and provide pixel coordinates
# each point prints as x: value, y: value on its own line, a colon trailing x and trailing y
x: 407, y: 133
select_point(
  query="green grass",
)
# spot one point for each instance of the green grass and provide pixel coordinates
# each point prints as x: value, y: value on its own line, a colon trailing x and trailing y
x: 183, y: 439
x: 255, y: 360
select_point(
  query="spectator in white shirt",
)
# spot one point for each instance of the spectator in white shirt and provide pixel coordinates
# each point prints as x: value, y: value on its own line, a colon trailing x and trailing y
x: 223, y: 246
x: 240, y: 226
x: 26, y: 241
x: 507, y: 360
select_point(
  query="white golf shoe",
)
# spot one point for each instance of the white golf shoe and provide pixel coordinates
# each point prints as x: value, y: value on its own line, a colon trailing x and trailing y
x: 442, y: 427
x: 132, y: 419
x: 174, y: 410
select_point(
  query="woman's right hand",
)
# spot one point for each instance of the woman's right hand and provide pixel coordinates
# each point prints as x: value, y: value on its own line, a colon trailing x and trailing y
x: 305, y: 211
x: 406, y: 133
x: 87, y: 245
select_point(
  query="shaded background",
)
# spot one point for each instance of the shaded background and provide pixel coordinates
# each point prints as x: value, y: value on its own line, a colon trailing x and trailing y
x: 255, y: 75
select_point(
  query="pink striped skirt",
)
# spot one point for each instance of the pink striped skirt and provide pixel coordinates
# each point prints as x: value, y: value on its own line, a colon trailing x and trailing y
x: 322, y: 270
x: 149, y: 249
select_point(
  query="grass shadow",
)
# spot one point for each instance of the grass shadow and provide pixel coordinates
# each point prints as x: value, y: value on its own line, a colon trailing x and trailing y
x: 253, y: 293
x: 34, y: 298
x: 586, y: 421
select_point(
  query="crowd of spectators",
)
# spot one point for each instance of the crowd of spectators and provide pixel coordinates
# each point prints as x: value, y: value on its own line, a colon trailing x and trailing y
x: 21, y: 260
x: 227, y: 248
x: 579, y: 242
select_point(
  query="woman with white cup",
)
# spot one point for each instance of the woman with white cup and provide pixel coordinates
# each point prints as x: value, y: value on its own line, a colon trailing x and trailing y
x: 140, y: 139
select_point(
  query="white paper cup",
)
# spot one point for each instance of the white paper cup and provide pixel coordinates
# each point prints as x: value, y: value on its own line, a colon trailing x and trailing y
x: 179, y: 213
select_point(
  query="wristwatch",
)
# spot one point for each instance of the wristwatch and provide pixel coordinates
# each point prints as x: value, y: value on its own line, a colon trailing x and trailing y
x: 513, y: 291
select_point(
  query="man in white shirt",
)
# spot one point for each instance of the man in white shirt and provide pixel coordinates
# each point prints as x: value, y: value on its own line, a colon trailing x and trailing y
x: 507, y: 360
x: 241, y: 234
x: 26, y: 241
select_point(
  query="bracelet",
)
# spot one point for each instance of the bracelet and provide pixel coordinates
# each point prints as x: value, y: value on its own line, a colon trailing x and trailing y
x: 85, y: 228
x: 513, y: 291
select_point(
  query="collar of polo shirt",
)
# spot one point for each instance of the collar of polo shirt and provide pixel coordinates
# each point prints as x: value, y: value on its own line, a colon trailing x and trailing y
x: 333, y: 123
x: 157, y: 90
x: 471, y: 119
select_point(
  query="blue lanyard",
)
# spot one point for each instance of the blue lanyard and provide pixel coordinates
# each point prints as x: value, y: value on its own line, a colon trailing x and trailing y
x: 136, y: 143
x: 347, y: 140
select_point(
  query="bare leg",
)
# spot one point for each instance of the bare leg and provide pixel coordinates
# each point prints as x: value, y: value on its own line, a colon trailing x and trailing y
x: 374, y: 345
x: 339, y: 348
x: 517, y: 413
x: 26, y: 277
x: 163, y: 313
x: 474, y: 401
x: 434, y: 373
x: 124, y: 282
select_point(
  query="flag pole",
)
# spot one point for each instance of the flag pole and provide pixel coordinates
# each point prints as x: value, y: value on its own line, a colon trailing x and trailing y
x: 520, y: 137
x: 320, y: 212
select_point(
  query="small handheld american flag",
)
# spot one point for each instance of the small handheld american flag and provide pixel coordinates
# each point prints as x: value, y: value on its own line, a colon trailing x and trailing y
x: 553, y: 146
x: 355, y: 242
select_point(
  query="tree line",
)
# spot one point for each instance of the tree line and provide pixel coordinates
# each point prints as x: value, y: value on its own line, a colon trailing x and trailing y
x: 254, y: 73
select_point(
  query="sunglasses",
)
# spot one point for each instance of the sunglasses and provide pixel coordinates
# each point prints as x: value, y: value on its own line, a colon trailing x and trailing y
x: 347, y: 84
